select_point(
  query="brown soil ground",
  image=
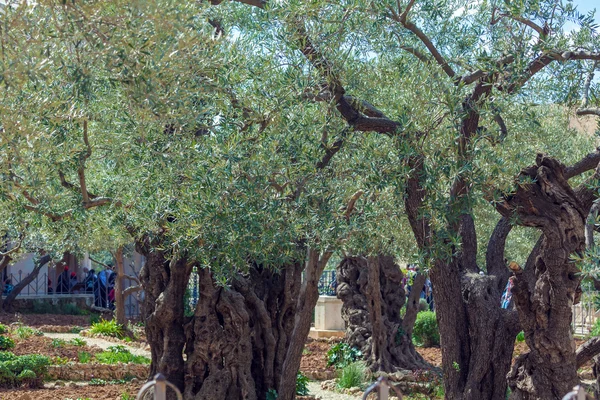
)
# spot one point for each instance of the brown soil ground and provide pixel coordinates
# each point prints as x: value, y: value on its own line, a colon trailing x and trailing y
x: 108, y: 392
x: 314, y: 356
x: 43, y: 346
x: 433, y: 355
x: 36, y: 320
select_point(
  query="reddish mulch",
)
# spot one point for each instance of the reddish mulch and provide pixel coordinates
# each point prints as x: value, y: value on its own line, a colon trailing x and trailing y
x: 36, y: 320
x: 43, y: 346
x: 108, y: 392
x: 314, y: 356
x: 433, y: 355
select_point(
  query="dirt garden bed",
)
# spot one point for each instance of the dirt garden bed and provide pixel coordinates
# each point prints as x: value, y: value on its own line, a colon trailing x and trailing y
x: 39, y: 320
x: 51, y: 348
x: 73, y: 391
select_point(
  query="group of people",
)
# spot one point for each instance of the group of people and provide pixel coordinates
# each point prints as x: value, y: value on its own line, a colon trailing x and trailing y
x: 101, y: 284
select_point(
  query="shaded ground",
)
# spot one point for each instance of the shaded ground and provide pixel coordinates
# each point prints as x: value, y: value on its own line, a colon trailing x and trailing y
x: 314, y: 356
x: 73, y: 391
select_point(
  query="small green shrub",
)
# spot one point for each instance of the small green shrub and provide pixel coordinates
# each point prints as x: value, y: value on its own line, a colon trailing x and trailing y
x: 60, y: 360
x: 6, y: 356
x: 425, y: 331
x: 57, y: 343
x: 108, y: 328
x: 521, y: 337
x: 272, y: 394
x: 342, y: 354
x: 3, y: 329
x: 84, y: 357
x: 352, y: 375
x: 77, y: 342
x: 6, y: 343
x: 27, y: 376
x: 17, y: 370
x: 119, y: 354
x: 127, y: 396
x: 302, y: 384
x: 24, y: 332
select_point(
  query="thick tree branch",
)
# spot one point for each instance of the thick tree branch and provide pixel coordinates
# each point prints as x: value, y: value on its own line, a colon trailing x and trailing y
x: 588, y: 163
x: 587, y: 351
x: 544, y: 60
x: 494, y: 256
x: 588, y: 111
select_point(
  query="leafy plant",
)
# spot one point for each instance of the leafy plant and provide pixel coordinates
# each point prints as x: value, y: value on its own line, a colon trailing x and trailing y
x: 352, y: 375
x: 342, y: 354
x: 3, y: 329
x: 108, y: 328
x: 60, y: 360
x: 19, y: 370
x: 425, y: 331
x: 272, y: 394
x: 119, y: 354
x: 302, y: 384
x: 6, y: 343
x: 78, y: 342
x: 521, y: 337
x: 58, y: 343
x: 84, y: 357
x: 127, y: 396
x: 24, y: 332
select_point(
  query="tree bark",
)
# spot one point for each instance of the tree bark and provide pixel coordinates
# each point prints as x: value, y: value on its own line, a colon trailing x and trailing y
x: 372, y: 295
x: 545, y: 291
x: 243, y: 341
x: 119, y: 297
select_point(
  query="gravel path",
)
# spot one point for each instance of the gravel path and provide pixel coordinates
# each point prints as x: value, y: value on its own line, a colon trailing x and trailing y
x: 103, y: 344
x: 315, y: 390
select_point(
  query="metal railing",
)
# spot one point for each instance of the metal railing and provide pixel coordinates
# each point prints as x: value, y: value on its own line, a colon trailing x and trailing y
x: 382, y: 386
x: 328, y: 283
x: 585, y: 314
x: 160, y: 385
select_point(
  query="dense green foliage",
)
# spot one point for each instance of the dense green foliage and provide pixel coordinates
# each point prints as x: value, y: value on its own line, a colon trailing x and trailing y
x: 6, y: 343
x: 119, y: 354
x: 426, y: 332
x: 342, y: 354
x: 108, y: 328
x: 302, y: 384
x: 22, y: 370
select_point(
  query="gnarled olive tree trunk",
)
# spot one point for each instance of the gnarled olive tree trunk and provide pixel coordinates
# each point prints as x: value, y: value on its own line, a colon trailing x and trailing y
x: 477, y: 335
x: 372, y: 295
x: 545, y: 290
x: 243, y: 341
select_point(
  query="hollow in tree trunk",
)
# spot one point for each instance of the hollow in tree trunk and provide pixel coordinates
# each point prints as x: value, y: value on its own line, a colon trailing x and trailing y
x: 372, y: 295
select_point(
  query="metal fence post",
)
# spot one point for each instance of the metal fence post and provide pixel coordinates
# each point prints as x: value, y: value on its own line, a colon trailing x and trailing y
x: 383, y: 389
x: 160, y: 385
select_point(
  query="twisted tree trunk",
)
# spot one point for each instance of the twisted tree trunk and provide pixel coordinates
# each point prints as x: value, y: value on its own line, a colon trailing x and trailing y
x: 243, y: 341
x: 372, y: 295
x: 545, y: 290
